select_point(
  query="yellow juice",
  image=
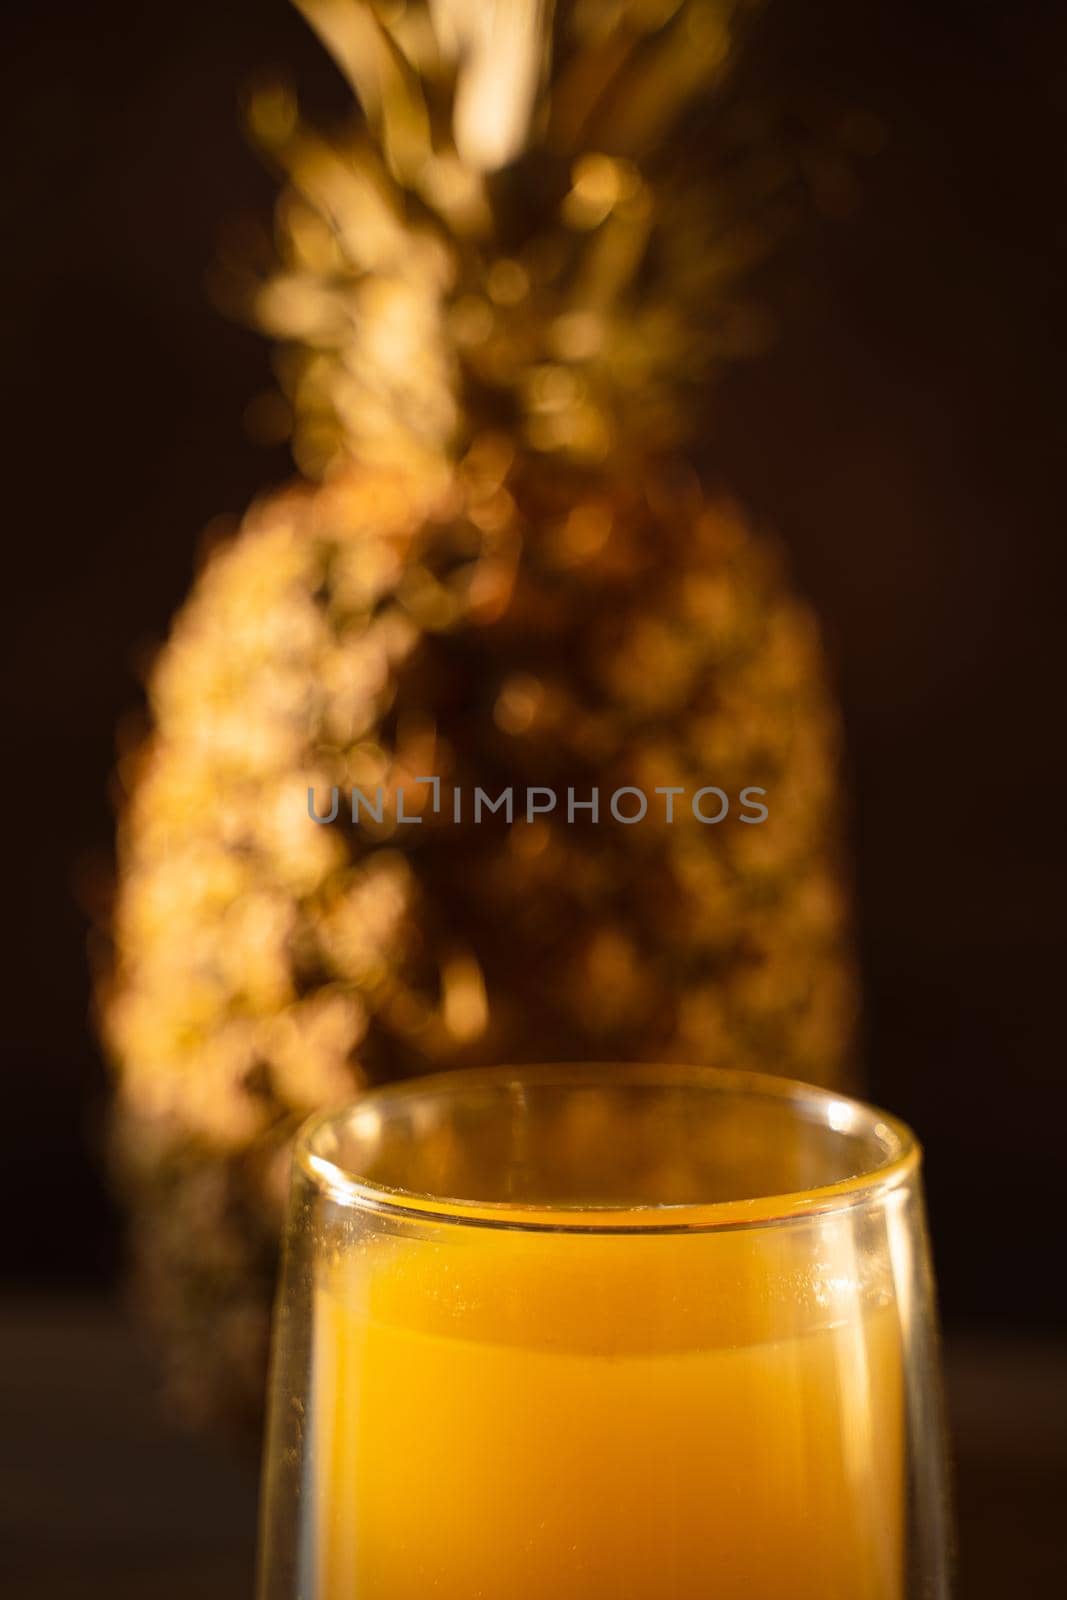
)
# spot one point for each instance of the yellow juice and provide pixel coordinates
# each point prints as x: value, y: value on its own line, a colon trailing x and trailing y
x: 517, y: 1416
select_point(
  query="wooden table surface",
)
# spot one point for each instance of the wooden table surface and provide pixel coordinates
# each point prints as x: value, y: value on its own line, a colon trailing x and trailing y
x: 102, y: 1500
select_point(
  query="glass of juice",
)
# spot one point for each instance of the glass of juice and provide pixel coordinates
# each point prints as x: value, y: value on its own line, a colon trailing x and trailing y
x: 604, y: 1333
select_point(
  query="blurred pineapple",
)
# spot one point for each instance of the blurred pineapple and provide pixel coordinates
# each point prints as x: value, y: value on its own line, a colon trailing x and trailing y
x: 497, y: 300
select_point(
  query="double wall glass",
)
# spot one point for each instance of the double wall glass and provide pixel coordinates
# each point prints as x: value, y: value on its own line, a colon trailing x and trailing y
x: 604, y: 1333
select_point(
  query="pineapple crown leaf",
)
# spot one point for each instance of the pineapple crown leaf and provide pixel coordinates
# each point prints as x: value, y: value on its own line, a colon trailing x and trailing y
x: 509, y: 240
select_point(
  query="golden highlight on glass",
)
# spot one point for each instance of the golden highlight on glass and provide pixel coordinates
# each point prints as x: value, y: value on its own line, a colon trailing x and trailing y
x: 588, y: 1333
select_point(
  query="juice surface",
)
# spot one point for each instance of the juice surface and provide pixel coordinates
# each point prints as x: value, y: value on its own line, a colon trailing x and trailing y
x: 507, y: 1416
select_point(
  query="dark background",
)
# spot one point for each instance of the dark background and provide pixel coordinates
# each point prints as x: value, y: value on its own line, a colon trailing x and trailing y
x: 905, y: 435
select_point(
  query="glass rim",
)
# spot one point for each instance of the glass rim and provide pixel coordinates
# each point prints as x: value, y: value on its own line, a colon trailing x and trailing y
x: 901, y: 1153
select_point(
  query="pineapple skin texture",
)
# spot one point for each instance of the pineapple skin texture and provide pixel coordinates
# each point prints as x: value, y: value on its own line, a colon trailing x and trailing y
x: 508, y: 622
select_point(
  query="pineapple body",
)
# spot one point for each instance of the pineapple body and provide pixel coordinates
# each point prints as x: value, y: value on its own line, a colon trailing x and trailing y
x: 361, y: 635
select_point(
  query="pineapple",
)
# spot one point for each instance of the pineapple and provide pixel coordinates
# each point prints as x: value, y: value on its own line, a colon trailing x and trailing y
x: 496, y: 300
